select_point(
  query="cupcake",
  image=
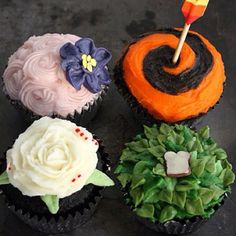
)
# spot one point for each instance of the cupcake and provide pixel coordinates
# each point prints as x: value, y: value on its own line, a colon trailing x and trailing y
x: 174, y: 178
x: 58, y: 75
x: 53, y: 176
x: 159, y: 91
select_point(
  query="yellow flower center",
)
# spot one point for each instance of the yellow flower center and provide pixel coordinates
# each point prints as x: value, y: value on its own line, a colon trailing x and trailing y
x: 88, y: 62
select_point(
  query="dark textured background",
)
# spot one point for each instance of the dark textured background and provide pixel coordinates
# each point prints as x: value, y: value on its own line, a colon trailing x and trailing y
x: 112, y: 23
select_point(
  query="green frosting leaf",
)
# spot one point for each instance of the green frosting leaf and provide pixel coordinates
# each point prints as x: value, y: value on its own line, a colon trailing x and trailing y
x: 98, y: 178
x: 194, y: 207
x: 154, y: 195
x: 150, y: 132
x: 138, y: 146
x: 124, y: 178
x: 210, y: 165
x: 227, y: 176
x: 146, y: 211
x: 52, y: 203
x: 165, y: 129
x: 198, y: 166
x: 179, y: 199
x: 206, y: 195
x: 159, y: 170
x: 137, y: 195
x: 157, y: 151
x: 204, y: 132
x: 4, y: 178
x: 168, y: 213
x: 137, y: 181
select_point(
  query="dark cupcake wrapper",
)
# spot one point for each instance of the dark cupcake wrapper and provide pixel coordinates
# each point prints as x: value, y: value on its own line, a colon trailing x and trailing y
x: 75, y: 217
x: 175, y: 227
x: 83, y: 118
x: 139, y: 112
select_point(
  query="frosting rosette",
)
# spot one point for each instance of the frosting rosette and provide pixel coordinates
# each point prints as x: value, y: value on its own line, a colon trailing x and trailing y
x: 38, y: 63
x: 53, y: 159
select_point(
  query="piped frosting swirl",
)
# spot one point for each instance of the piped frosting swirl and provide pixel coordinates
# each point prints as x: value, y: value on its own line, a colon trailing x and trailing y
x: 34, y: 76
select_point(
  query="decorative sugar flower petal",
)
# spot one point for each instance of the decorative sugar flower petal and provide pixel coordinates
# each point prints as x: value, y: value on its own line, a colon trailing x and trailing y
x: 102, y: 56
x: 92, y: 83
x: 102, y: 76
x: 76, y: 77
x: 85, y: 46
x: 69, y: 50
x: 70, y: 62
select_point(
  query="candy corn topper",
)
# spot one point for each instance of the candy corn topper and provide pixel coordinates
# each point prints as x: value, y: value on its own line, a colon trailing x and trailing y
x: 192, y: 10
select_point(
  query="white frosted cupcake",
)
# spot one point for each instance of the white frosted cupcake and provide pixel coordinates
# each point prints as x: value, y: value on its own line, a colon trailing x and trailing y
x: 53, y: 175
x: 58, y: 75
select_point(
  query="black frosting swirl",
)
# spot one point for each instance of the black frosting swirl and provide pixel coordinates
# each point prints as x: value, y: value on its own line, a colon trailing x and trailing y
x: 161, y: 57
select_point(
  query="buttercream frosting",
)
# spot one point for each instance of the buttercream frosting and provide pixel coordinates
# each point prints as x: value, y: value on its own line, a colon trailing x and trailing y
x: 34, y: 76
x: 52, y: 157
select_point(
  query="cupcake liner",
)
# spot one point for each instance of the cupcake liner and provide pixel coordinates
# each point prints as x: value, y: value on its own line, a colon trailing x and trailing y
x: 88, y: 112
x: 65, y: 221
x: 140, y: 113
x: 179, y: 227
x: 176, y: 227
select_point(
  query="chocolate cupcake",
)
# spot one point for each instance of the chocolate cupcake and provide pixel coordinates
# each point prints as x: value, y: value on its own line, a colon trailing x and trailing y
x: 157, y: 90
x: 174, y: 178
x: 58, y: 75
x: 53, y: 176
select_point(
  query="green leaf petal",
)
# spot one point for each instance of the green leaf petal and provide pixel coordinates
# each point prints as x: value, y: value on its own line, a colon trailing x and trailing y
x: 146, y: 211
x: 137, y: 195
x: 124, y: 178
x: 194, y: 207
x: 4, y: 178
x: 165, y: 129
x: 124, y: 168
x: 206, y: 195
x: 150, y: 132
x: 137, y: 180
x: 204, y: 132
x: 98, y: 178
x: 138, y: 146
x: 220, y: 154
x: 159, y: 170
x: 179, y: 199
x: 157, y: 151
x: 187, y: 134
x: 168, y: 213
x: 166, y: 195
x: 52, y: 203
x: 217, y: 192
x: 210, y: 165
x: 170, y: 146
x: 198, y: 166
x: 186, y: 185
x: 227, y: 176
x: 140, y: 167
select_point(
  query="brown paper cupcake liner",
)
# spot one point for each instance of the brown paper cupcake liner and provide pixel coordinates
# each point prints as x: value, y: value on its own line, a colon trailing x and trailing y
x: 174, y: 227
x: 65, y: 221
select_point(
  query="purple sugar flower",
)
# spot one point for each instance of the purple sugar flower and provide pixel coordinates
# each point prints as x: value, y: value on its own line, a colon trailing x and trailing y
x: 85, y: 64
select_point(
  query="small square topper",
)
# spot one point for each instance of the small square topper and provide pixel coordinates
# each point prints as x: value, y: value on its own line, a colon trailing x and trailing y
x: 177, y: 164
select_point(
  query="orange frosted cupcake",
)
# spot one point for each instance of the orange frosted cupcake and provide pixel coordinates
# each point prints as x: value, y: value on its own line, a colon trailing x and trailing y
x: 161, y: 91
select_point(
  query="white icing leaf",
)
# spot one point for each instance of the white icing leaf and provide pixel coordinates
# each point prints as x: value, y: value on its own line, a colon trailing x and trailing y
x: 98, y: 178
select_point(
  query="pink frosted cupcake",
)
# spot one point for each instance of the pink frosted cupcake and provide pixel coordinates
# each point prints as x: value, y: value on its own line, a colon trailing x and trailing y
x: 58, y: 75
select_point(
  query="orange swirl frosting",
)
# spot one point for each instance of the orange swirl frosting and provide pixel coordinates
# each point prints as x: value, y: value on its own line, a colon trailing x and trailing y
x: 164, y: 106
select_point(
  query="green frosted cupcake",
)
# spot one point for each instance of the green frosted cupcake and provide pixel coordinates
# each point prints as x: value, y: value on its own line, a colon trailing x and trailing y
x: 174, y: 178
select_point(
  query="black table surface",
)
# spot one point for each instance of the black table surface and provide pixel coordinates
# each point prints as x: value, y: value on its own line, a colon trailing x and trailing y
x: 113, y: 23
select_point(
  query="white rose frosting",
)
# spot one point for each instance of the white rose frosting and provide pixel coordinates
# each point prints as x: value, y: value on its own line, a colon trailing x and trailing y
x: 52, y: 157
x: 35, y: 68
